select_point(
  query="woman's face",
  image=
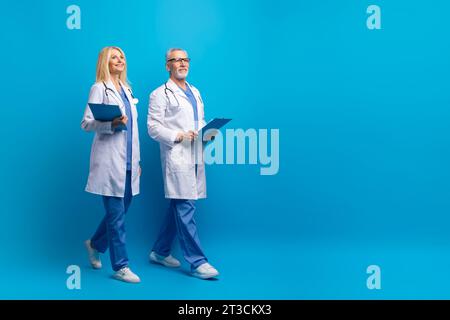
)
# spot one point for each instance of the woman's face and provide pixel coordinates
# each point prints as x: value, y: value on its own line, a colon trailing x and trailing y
x: 116, y: 62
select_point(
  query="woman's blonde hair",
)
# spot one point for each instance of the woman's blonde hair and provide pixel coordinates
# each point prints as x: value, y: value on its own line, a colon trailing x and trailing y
x: 103, y: 66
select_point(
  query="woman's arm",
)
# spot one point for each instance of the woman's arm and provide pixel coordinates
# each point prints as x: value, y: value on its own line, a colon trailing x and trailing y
x: 89, y: 123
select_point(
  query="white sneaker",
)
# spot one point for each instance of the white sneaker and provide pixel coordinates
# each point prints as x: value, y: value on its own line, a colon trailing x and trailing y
x: 125, y: 274
x: 94, y: 256
x: 205, y: 271
x: 168, y: 261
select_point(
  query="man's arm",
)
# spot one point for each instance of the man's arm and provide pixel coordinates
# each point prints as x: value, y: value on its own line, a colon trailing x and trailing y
x: 156, y: 120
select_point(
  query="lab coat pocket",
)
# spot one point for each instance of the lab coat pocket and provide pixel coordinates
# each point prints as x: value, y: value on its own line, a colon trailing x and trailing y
x: 99, y: 154
x: 176, y: 160
x: 103, y: 137
x: 172, y: 109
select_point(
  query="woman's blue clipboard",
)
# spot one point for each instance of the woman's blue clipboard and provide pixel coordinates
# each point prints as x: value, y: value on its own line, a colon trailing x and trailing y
x: 106, y: 112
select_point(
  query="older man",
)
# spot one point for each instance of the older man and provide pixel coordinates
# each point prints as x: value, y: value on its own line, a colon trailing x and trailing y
x: 174, y: 116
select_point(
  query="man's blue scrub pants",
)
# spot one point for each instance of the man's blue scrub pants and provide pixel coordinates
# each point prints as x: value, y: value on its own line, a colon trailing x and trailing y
x: 179, y: 220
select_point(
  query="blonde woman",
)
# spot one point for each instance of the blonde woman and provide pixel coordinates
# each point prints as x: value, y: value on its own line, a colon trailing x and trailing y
x: 114, y: 171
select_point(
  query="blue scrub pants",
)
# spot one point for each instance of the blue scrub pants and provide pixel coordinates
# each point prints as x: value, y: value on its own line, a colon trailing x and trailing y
x: 179, y: 220
x: 111, y: 231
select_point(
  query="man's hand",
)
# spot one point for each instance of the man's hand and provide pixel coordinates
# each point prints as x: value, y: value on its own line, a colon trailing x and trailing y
x: 189, y: 136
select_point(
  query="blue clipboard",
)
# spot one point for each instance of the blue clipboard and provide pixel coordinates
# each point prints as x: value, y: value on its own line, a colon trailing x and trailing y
x: 215, y: 123
x: 106, y: 112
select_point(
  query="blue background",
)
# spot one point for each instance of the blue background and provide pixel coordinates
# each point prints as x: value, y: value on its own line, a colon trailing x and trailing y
x: 364, y: 147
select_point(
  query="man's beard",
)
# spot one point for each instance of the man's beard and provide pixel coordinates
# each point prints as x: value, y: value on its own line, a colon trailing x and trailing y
x: 180, y: 75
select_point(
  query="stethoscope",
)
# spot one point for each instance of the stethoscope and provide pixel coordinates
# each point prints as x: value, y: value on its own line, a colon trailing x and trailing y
x: 135, y: 100
x: 173, y: 94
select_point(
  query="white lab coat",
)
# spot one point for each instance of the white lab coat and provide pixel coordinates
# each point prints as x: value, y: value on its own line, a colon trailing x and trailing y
x: 165, y: 119
x: 107, y: 171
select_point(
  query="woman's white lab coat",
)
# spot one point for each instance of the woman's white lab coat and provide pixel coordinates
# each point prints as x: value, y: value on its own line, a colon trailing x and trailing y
x: 170, y: 112
x: 108, y: 162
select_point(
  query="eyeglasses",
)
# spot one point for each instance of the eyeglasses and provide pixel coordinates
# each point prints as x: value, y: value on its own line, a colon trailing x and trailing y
x: 185, y: 60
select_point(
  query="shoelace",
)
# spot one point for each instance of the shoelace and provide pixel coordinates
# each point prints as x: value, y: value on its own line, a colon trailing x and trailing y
x: 125, y: 270
x: 207, y: 267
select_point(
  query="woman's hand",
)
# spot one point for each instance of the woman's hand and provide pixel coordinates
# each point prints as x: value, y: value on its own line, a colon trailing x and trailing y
x: 119, y: 121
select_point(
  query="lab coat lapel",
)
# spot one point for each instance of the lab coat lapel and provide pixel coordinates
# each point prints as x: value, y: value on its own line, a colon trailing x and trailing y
x: 196, y: 95
x: 116, y: 94
x: 128, y: 94
x: 180, y: 94
x: 130, y: 99
x: 176, y: 89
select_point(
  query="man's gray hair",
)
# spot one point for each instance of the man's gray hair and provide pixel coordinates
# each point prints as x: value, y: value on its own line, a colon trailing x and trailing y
x: 172, y: 50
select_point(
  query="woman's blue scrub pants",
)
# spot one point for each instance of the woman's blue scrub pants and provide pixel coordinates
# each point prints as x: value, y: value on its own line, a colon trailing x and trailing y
x: 111, y: 231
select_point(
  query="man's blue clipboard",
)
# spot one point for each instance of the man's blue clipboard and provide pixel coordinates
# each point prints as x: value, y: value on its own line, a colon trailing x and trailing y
x: 106, y: 112
x: 215, y: 123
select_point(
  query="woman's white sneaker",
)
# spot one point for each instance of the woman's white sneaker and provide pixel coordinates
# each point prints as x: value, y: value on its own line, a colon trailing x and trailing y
x: 205, y: 271
x: 94, y: 256
x: 125, y: 274
x: 168, y: 261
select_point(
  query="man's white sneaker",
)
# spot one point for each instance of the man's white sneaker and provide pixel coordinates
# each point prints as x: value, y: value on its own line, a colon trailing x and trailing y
x: 205, y: 271
x: 125, y: 274
x: 168, y: 261
x: 93, y: 254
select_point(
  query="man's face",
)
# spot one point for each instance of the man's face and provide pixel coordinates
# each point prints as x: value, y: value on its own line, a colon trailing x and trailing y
x: 178, y: 64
